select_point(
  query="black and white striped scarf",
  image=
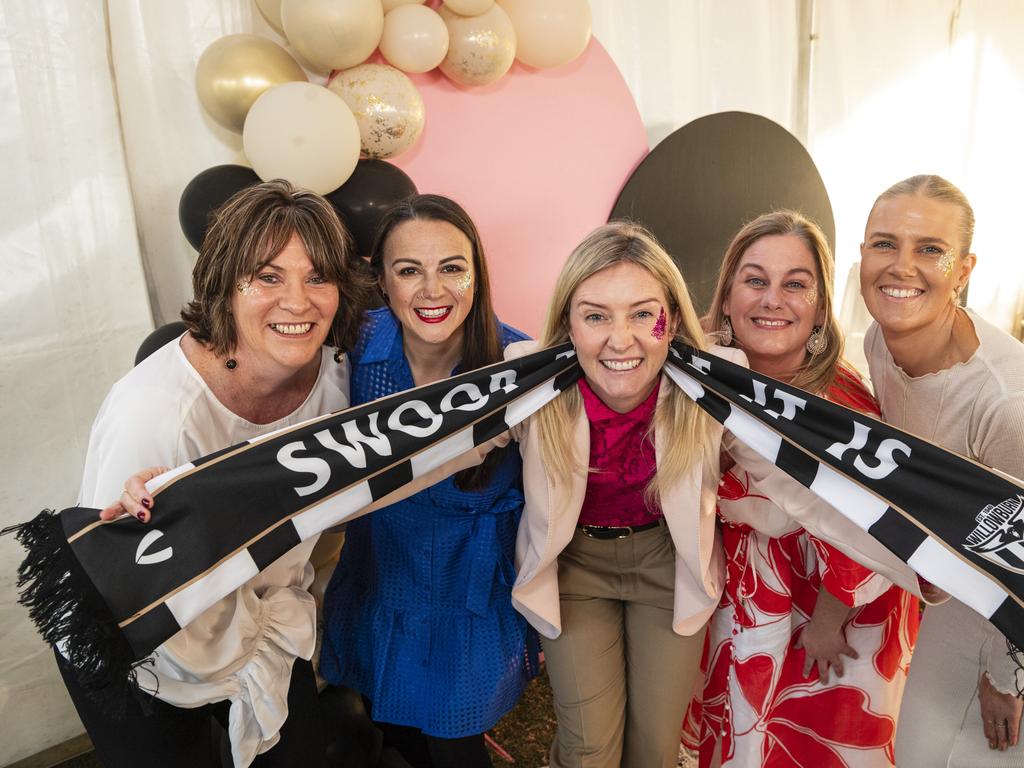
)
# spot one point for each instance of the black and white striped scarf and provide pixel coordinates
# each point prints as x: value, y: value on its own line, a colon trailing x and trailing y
x: 109, y: 593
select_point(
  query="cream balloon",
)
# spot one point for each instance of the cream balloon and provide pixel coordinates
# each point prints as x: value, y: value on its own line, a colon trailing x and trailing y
x: 271, y: 11
x: 387, y: 107
x: 415, y: 38
x: 303, y: 133
x: 234, y: 70
x: 549, y: 33
x: 480, y: 48
x: 333, y: 34
x: 390, y: 5
x: 469, y: 7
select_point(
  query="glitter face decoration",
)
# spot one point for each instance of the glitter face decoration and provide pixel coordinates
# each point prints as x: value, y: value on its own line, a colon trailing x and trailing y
x: 246, y: 288
x: 944, y: 263
x: 463, y: 283
x: 660, y: 326
x: 811, y: 296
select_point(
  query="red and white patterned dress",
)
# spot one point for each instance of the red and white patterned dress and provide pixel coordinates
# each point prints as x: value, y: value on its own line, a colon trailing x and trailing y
x: 756, y: 699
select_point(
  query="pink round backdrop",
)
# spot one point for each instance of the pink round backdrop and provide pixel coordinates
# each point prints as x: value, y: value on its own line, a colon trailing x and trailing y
x: 537, y: 159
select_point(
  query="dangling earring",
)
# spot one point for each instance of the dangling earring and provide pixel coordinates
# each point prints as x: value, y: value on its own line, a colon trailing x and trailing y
x: 817, y: 342
x: 231, y: 363
x: 338, y: 355
x: 725, y: 332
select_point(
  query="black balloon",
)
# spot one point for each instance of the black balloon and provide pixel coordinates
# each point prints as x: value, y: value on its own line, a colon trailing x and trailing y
x: 370, y: 190
x: 158, y: 338
x: 206, y: 193
x: 709, y: 178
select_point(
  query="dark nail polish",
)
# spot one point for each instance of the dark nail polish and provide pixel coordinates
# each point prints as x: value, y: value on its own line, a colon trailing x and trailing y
x: 141, y: 516
x: 147, y: 503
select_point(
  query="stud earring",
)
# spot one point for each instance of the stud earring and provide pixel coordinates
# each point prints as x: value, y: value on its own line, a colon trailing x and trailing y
x: 725, y: 332
x: 817, y: 342
x: 231, y: 363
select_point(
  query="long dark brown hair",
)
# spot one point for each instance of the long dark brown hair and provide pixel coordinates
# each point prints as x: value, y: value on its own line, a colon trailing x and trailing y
x: 481, y: 338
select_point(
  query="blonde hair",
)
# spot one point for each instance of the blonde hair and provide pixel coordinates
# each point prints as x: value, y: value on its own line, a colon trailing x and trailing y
x: 936, y: 188
x: 681, y: 427
x: 818, y: 371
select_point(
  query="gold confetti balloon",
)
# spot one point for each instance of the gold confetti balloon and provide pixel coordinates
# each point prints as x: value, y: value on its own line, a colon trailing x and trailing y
x: 234, y: 70
x: 387, y: 107
x: 480, y: 48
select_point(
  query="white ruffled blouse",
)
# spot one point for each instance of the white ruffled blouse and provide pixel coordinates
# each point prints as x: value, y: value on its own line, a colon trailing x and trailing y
x: 242, y: 648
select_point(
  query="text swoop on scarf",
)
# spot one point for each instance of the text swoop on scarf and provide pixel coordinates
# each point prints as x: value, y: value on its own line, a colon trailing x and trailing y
x: 109, y: 593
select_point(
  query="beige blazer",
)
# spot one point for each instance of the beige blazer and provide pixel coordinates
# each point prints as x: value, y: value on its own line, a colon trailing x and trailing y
x: 552, y: 511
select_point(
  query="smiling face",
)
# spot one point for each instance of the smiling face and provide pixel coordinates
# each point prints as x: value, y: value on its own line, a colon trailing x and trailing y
x: 911, y: 263
x: 428, y: 278
x: 283, y: 313
x: 617, y: 322
x: 774, y: 303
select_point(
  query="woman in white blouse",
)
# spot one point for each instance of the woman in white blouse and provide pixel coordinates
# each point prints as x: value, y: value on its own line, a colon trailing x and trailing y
x: 943, y: 373
x: 272, y: 285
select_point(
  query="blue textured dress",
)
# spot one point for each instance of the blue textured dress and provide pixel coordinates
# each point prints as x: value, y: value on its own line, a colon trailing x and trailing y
x: 418, y: 614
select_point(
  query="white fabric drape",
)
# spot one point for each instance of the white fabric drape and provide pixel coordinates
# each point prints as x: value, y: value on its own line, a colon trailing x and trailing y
x: 72, y: 308
x: 102, y: 130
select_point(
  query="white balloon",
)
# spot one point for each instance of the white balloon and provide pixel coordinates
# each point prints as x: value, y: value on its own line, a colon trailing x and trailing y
x: 480, y: 48
x: 387, y: 107
x: 303, y: 133
x: 390, y: 5
x: 333, y: 34
x: 415, y: 38
x: 549, y: 33
x: 469, y: 7
x: 271, y: 10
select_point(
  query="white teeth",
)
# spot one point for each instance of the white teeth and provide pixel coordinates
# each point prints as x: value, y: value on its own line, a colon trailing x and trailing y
x: 439, y: 312
x: 292, y: 329
x: 901, y: 293
x: 621, y: 365
x: 770, y: 323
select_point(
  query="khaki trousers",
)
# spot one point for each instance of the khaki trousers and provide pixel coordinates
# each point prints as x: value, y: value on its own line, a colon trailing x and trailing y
x: 621, y: 677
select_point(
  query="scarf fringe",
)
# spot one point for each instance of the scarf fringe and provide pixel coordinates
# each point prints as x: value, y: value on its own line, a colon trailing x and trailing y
x: 71, y: 614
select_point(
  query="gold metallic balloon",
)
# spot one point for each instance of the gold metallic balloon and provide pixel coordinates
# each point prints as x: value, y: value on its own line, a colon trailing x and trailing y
x: 480, y: 48
x: 333, y: 34
x: 387, y: 106
x: 234, y: 70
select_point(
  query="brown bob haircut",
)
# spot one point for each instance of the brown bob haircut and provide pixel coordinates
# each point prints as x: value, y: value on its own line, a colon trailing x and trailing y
x: 246, y: 233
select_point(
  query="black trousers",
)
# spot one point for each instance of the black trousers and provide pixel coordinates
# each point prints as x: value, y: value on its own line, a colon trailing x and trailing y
x: 166, y: 736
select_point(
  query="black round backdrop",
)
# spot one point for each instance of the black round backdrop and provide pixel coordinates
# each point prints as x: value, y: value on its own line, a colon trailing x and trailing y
x: 705, y: 180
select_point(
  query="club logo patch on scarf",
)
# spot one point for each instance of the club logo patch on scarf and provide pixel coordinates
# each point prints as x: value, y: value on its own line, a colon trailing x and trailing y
x: 999, y: 535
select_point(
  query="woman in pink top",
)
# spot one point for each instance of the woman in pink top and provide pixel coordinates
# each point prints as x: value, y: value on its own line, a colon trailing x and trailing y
x: 618, y: 557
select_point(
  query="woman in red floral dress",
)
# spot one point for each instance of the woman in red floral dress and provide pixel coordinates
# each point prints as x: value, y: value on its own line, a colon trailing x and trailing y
x: 807, y: 654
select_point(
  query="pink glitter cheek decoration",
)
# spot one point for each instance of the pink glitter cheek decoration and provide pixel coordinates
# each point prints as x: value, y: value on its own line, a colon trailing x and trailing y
x: 658, y: 331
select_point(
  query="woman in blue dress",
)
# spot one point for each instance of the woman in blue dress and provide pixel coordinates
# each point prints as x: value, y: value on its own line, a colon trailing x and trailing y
x: 418, y: 615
